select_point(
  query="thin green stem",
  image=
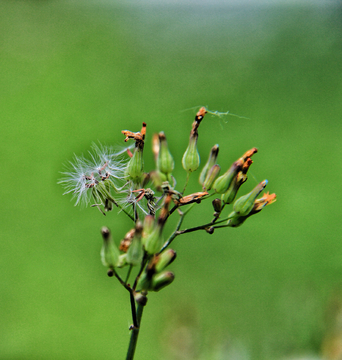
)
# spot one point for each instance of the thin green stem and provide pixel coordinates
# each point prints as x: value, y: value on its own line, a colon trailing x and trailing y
x: 174, y: 234
x: 134, y: 334
x: 203, y: 227
x: 186, y: 181
x: 128, y: 273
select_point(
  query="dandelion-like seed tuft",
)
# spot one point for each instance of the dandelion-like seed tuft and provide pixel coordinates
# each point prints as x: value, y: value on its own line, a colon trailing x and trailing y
x: 95, y: 178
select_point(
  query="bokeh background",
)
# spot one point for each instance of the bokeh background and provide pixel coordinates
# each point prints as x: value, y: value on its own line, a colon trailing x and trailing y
x: 75, y: 72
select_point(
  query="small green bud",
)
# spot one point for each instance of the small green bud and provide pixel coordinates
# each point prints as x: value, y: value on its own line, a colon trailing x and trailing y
x: 209, y: 164
x: 149, y: 225
x: 165, y: 259
x: 210, y: 178
x: 135, y: 166
x: 191, y: 158
x: 154, y: 241
x: 109, y: 252
x: 222, y: 183
x: 161, y: 280
x: 244, y: 205
x: 165, y: 162
x: 135, y: 251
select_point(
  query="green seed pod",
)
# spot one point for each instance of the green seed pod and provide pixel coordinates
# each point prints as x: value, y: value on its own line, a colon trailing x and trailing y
x: 191, y: 158
x: 222, y: 183
x: 244, y: 205
x: 209, y: 164
x: 165, y: 162
x: 161, y: 280
x: 109, y: 252
x: 165, y: 259
x: 135, y: 251
x: 135, y: 166
x: 210, y: 178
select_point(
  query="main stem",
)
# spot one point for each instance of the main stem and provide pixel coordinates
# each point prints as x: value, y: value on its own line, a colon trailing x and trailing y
x: 134, y: 335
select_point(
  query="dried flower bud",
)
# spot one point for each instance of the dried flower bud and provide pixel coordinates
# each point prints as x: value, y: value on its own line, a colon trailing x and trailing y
x: 126, y: 241
x: 209, y: 164
x: 109, y: 252
x: 165, y: 162
x: 222, y: 183
x: 161, y: 280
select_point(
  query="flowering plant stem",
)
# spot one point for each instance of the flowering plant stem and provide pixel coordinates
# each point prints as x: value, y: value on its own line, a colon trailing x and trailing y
x: 108, y: 180
x: 134, y: 334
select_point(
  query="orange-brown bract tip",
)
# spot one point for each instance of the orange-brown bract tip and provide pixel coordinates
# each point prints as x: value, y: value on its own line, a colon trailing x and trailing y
x: 249, y: 153
x: 143, y: 129
x: 202, y: 111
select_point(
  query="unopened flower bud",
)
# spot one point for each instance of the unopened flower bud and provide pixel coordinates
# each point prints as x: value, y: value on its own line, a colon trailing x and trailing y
x: 244, y: 205
x: 109, y: 252
x: 164, y: 259
x: 229, y: 196
x: 222, y: 183
x: 161, y: 280
x: 211, y: 176
x: 140, y: 298
x: 154, y: 241
x: 191, y: 158
x: 209, y: 164
x: 165, y: 162
x: 135, y: 252
x: 217, y: 205
x: 135, y: 166
x: 149, y: 225
x: 236, y: 219
x: 144, y: 282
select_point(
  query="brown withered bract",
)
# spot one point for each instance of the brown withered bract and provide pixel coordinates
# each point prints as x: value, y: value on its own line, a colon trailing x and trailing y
x: 126, y: 241
x: 139, y: 137
x: 249, y: 153
x: 189, y: 199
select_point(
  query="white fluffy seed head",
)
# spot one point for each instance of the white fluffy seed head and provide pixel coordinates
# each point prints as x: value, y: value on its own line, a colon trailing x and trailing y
x: 84, y: 175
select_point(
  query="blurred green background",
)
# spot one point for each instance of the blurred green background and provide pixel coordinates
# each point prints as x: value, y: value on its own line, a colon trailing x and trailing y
x: 74, y: 72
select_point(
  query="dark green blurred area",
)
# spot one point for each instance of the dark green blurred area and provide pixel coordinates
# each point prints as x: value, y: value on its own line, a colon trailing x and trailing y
x: 76, y: 72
